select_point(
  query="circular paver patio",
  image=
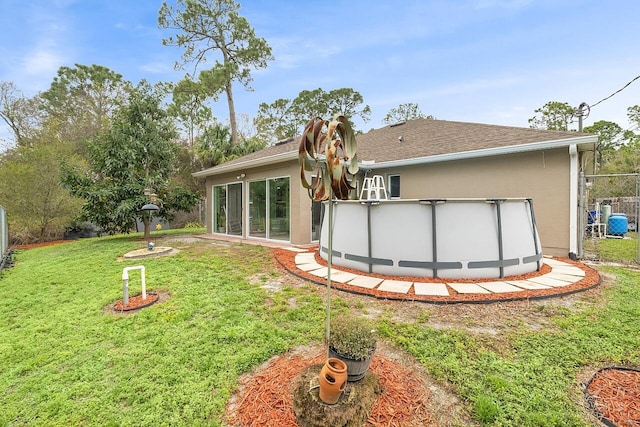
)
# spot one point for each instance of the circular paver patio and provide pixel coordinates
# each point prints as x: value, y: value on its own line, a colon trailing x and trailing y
x: 557, y: 277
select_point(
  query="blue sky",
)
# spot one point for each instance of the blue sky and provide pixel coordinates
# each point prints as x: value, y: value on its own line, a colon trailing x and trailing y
x: 486, y: 61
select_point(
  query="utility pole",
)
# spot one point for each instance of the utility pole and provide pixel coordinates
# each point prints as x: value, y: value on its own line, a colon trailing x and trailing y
x: 581, y: 108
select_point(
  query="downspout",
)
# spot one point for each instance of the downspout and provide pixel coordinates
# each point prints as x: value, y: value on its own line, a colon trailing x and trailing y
x: 573, y: 201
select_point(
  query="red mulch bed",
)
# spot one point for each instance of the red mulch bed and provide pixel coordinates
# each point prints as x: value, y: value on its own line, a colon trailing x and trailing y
x: 614, y: 395
x: 41, y: 244
x: 286, y: 258
x: 136, y: 302
x: 265, y: 398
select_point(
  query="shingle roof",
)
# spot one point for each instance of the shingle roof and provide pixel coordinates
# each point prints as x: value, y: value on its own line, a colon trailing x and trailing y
x: 421, y: 138
x: 428, y: 137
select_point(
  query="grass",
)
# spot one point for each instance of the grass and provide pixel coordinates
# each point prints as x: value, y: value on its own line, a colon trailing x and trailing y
x: 63, y: 361
x: 534, y: 384
x: 615, y: 250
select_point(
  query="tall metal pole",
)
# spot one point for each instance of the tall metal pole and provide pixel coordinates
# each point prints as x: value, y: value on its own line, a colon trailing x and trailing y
x: 580, y: 114
x: 638, y: 213
x: 581, y: 209
x: 329, y: 261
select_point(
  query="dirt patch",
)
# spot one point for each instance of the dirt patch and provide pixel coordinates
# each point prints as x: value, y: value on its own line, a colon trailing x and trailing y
x: 182, y: 239
x: 492, y: 320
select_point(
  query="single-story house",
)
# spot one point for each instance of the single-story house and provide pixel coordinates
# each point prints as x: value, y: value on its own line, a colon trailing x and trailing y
x: 259, y: 196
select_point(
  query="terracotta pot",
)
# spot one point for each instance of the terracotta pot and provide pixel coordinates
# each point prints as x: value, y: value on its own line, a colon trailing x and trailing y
x: 356, y: 368
x: 333, y: 380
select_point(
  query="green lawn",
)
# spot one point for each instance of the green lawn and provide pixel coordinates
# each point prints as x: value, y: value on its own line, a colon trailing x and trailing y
x: 64, y: 361
x: 613, y: 249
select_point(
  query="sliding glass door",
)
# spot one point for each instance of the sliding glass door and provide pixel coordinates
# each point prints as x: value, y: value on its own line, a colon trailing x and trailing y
x: 279, y: 208
x: 269, y: 209
x: 227, y: 209
x: 235, y: 208
x: 258, y: 209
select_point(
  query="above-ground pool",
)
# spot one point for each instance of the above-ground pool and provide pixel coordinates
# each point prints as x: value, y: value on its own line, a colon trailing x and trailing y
x: 446, y: 238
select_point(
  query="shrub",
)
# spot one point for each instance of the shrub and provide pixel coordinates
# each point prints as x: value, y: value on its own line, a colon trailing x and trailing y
x: 193, y: 224
x: 352, y: 337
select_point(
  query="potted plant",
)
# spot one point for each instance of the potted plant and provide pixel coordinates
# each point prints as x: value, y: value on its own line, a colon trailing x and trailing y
x: 352, y: 340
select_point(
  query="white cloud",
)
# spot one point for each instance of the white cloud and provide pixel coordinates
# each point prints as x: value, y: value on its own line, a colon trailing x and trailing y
x: 42, y: 62
x: 157, y: 67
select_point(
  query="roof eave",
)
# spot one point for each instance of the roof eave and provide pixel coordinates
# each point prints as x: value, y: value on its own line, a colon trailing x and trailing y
x: 583, y: 142
x: 234, y: 167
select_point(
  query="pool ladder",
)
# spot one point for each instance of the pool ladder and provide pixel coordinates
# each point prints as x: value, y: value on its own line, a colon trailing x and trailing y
x: 373, y: 186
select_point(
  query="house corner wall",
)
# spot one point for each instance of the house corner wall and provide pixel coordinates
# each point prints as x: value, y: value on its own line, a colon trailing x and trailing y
x: 542, y: 176
x: 208, y: 217
x: 300, y: 212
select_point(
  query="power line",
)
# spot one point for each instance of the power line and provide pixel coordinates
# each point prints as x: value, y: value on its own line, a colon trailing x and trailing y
x: 616, y: 92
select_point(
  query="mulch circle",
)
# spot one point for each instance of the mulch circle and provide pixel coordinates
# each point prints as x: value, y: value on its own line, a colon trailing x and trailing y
x: 613, y: 394
x: 265, y: 398
x: 286, y: 259
x: 136, y: 303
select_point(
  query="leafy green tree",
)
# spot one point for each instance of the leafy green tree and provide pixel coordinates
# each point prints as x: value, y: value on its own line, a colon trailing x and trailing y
x: 205, y: 27
x: 189, y: 108
x: 626, y: 157
x: 20, y: 113
x: 82, y: 99
x: 38, y: 208
x: 609, y: 139
x: 633, y: 113
x: 553, y: 115
x: 284, y: 118
x: 318, y: 103
x: 276, y: 121
x: 214, y: 146
x: 347, y: 102
x: 310, y: 103
x: 135, y: 152
x: 404, y: 112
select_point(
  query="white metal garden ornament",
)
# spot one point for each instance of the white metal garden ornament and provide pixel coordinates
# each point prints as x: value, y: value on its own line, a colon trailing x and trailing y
x: 328, y: 153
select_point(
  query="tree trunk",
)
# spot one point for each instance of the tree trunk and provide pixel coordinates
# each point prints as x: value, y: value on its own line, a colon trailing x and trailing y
x: 232, y: 115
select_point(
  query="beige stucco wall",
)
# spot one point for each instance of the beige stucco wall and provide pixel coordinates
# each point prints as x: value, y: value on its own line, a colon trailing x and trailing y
x: 300, y: 214
x: 542, y: 176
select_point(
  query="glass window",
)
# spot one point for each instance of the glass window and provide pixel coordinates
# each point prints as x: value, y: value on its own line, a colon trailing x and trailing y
x: 394, y: 186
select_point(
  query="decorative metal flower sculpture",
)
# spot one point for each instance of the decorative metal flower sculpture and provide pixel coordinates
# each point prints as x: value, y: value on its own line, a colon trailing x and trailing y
x: 330, y: 171
x: 339, y: 160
